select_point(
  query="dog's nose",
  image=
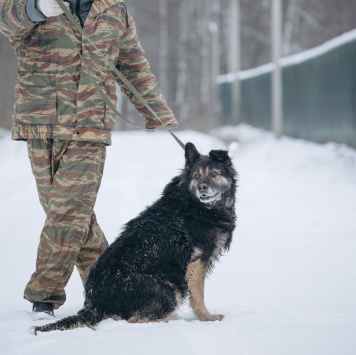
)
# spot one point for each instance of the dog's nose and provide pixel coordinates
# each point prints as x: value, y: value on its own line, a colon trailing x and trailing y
x: 203, y: 187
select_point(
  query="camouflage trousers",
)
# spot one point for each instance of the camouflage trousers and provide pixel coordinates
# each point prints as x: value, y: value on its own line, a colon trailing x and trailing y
x: 68, y: 176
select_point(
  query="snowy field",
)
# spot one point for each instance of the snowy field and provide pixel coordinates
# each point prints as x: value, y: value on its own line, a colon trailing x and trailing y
x: 287, y: 286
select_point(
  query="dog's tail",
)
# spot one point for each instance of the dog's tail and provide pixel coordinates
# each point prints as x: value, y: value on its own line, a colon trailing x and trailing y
x: 89, y: 316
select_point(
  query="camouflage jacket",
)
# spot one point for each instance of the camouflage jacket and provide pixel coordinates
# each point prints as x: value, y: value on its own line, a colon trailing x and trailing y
x: 54, y: 97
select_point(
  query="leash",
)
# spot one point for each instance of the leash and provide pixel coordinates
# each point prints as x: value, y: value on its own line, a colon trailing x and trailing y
x: 103, y: 95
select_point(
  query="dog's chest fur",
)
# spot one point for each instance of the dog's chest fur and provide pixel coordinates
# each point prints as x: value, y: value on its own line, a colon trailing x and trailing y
x: 219, y: 245
x: 207, y: 243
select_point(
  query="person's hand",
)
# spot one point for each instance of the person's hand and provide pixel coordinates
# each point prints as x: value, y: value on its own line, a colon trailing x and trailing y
x: 50, y: 8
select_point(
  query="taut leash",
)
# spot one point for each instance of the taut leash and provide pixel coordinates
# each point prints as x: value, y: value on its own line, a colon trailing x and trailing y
x: 74, y: 23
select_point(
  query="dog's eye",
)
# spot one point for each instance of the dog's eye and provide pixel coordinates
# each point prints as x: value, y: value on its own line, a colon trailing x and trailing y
x: 214, y: 173
x: 196, y: 176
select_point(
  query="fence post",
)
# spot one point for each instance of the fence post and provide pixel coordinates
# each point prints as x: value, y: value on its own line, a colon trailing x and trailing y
x: 215, y: 65
x: 277, y: 90
x: 235, y: 60
x: 163, y: 46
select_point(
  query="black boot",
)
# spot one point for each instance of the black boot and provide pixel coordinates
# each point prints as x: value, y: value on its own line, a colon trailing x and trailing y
x: 44, y: 308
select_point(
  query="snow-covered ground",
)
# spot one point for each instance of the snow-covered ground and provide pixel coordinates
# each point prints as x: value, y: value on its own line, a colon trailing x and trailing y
x: 287, y: 286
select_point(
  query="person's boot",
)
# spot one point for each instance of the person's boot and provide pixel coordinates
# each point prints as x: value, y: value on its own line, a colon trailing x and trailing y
x: 42, y: 310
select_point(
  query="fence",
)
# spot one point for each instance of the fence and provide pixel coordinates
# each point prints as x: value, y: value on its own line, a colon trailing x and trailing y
x: 319, y: 93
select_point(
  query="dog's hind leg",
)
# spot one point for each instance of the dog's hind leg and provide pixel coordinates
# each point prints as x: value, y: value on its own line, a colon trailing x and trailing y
x: 195, y: 276
x: 159, y: 311
x: 155, y: 300
x: 133, y: 319
x: 137, y: 319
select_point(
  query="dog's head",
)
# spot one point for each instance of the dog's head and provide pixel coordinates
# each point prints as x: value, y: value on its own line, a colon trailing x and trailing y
x: 211, y: 179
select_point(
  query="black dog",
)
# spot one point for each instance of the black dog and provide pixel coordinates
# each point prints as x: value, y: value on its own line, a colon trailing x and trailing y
x: 165, y: 253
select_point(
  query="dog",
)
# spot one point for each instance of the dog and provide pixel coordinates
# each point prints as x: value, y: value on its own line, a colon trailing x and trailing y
x: 165, y: 253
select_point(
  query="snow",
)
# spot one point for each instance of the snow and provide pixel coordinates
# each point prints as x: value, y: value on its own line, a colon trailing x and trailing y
x: 287, y: 286
x: 293, y: 59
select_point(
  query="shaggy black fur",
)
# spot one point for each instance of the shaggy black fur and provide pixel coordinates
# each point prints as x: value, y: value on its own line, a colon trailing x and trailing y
x: 143, y: 273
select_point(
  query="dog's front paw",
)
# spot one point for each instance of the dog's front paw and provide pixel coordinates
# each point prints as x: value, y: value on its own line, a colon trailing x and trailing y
x: 211, y: 317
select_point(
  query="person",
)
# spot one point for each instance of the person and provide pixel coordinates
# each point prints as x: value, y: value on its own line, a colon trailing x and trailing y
x: 67, y: 125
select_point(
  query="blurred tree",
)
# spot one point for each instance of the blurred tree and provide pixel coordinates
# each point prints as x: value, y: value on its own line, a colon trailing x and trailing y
x: 8, y: 69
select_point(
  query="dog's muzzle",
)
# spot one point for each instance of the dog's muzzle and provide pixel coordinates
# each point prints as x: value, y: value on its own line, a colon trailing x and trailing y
x: 206, y: 194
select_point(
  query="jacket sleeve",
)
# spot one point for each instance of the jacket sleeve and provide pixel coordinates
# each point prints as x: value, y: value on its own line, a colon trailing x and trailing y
x: 136, y: 68
x: 14, y: 21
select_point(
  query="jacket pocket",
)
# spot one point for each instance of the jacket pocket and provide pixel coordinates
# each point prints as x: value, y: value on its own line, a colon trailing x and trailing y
x: 93, y: 111
x: 35, y: 101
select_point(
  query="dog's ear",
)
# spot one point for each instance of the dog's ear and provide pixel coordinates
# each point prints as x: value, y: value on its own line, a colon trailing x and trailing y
x: 191, y: 154
x: 222, y: 156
